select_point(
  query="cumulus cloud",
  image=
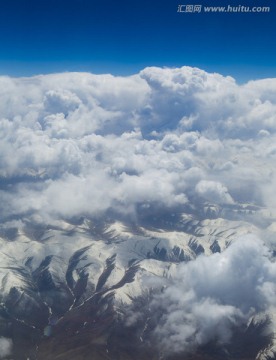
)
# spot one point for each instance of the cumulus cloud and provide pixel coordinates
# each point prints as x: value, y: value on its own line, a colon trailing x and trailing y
x: 79, y: 143
x: 209, y: 297
x: 5, y: 347
x: 214, y: 192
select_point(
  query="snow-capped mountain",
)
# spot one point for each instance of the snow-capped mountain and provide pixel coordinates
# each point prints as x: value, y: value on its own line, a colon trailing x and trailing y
x: 75, y: 279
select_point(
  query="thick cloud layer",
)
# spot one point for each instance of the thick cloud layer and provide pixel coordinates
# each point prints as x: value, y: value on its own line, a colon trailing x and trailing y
x: 77, y: 143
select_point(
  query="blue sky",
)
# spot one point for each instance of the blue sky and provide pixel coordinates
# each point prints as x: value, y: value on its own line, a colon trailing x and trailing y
x: 124, y: 36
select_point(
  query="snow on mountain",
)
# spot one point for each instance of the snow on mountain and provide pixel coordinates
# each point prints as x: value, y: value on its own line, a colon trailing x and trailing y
x: 50, y: 270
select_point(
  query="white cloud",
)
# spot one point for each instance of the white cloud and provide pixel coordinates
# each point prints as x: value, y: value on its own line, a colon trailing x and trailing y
x: 5, y: 347
x: 208, y: 297
x: 61, y: 101
x: 214, y: 192
x: 93, y: 132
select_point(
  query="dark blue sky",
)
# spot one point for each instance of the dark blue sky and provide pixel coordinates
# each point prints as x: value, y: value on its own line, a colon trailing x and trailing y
x: 124, y: 36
